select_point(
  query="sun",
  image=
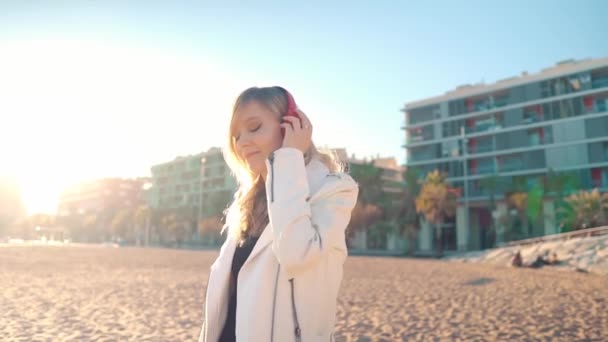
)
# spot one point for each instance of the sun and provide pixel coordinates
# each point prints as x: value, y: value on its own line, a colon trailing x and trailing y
x: 75, y: 111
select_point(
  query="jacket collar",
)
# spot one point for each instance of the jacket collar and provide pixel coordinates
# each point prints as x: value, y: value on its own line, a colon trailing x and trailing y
x: 316, y: 172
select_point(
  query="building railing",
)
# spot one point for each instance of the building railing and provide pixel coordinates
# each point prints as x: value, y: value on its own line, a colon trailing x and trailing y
x: 506, y: 167
x: 599, y: 83
x: 482, y: 169
x: 562, y: 236
x: 590, y: 92
x: 481, y: 148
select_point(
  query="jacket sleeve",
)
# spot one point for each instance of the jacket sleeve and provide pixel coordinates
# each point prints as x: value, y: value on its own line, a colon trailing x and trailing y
x: 305, y: 234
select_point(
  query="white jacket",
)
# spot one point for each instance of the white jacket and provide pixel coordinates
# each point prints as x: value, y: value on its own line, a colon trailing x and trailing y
x: 292, y: 277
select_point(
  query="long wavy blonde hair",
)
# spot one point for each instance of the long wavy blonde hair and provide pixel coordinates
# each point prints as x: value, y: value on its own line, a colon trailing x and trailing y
x: 247, y: 215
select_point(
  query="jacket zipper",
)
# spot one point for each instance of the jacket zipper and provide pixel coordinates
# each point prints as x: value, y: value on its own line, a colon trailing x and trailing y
x: 274, y: 303
x: 296, y: 323
x: 271, y: 159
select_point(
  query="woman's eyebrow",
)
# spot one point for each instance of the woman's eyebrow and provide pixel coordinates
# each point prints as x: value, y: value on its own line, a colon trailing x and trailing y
x: 250, y: 118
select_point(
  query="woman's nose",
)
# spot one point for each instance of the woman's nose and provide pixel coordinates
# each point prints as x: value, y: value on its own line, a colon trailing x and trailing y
x: 243, y: 145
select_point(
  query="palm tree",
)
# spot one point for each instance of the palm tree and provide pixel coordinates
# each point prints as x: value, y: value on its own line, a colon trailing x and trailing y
x: 216, y: 203
x: 142, y: 218
x: 437, y: 201
x: 372, y: 203
x: 519, y: 201
x: 516, y: 196
x: 120, y: 224
x: 210, y: 227
x: 408, y: 219
x: 104, y: 219
x: 560, y: 184
x: 362, y: 217
x: 370, y: 183
x: 90, y: 224
x: 176, y: 221
x: 6, y: 222
x: 73, y: 225
x: 492, y: 185
x: 587, y: 209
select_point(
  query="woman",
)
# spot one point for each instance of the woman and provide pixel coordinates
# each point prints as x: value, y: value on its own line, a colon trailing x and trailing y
x: 279, y: 271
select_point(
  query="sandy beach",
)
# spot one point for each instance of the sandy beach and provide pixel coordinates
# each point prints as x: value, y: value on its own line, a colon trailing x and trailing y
x: 132, y: 294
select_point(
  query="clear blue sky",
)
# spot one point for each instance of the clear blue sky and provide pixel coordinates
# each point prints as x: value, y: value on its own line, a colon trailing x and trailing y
x: 351, y: 65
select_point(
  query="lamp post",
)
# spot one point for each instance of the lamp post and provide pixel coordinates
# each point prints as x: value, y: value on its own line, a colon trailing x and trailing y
x: 466, y: 181
x: 201, y: 197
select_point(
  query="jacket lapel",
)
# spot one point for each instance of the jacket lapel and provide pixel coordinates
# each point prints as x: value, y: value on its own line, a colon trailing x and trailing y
x: 316, y: 172
x: 217, y: 291
x: 263, y: 241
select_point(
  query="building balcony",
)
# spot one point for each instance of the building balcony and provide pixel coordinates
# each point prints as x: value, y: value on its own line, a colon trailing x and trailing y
x: 418, y: 157
x: 482, y: 170
x: 530, y: 118
x: 484, y: 128
x: 416, y: 138
x: 412, y: 139
x: 599, y: 83
x: 481, y: 149
x: 511, y: 166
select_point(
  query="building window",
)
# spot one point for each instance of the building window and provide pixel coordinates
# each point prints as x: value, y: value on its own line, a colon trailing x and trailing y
x: 533, y: 138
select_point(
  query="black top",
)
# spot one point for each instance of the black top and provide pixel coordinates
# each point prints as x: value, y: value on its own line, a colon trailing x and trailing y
x: 241, y: 254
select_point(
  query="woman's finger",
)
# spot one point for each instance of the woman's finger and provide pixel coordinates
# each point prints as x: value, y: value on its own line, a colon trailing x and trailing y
x: 287, y: 127
x: 293, y: 119
x: 305, y: 120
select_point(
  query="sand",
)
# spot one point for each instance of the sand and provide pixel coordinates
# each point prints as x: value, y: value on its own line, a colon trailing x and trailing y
x: 132, y: 294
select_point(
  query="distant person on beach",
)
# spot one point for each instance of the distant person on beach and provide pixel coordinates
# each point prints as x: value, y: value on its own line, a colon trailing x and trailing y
x: 552, y: 259
x: 278, y: 273
x: 538, y: 263
x: 517, y: 260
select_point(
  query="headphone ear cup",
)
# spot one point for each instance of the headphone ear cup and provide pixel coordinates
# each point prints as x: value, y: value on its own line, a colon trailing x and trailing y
x: 291, y: 105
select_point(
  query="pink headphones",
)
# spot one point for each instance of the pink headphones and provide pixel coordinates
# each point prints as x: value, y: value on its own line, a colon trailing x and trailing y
x: 291, y: 107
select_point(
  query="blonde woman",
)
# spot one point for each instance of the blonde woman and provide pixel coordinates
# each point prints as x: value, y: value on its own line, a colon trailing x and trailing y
x: 279, y: 271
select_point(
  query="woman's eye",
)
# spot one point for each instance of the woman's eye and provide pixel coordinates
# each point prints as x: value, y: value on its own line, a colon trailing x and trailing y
x: 252, y: 130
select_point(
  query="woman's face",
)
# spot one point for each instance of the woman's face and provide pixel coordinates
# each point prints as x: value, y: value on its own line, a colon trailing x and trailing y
x: 256, y: 133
